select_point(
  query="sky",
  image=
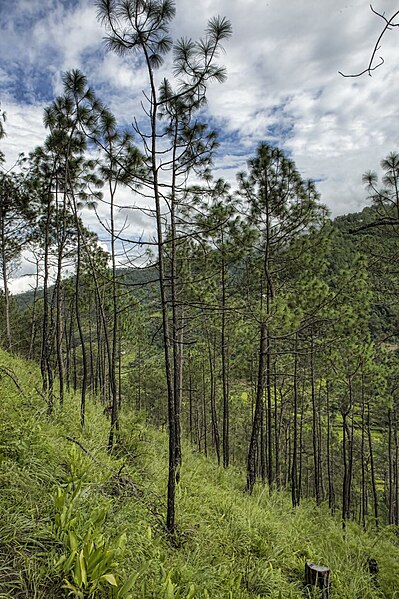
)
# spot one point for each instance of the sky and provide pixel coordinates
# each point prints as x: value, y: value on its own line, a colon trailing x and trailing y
x: 283, y: 84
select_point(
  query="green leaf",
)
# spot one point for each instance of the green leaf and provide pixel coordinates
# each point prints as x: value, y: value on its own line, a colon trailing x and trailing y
x: 82, y: 566
x: 88, y: 550
x: 128, y: 584
x: 59, y: 562
x: 95, y: 558
x: 59, y: 499
x: 73, y: 541
x: 110, y: 578
x: 191, y: 592
x: 170, y: 590
x: 121, y: 541
x: 69, y: 586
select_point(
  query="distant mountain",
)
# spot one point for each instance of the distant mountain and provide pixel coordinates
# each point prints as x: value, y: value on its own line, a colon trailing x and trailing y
x: 380, y: 245
x: 142, y: 282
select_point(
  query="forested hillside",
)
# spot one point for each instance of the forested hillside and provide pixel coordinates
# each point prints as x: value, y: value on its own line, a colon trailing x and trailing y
x: 77, y: 521
x: 325, y: 410
x: 210, y: 367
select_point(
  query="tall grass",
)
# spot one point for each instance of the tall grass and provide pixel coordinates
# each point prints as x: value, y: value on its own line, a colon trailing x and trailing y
x: 228, y: 545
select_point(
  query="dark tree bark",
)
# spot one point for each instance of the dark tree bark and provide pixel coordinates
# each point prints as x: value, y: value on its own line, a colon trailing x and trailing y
x: 330, y: 469
x: 83, y: 382
x: 372, y: 468
x: 295, y: 492
x: 257, y: 417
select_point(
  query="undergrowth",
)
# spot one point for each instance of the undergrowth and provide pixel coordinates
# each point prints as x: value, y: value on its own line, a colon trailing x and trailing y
x: 78, y: 522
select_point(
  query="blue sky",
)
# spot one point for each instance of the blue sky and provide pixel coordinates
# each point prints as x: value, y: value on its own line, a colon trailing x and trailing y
x: 283, y: 84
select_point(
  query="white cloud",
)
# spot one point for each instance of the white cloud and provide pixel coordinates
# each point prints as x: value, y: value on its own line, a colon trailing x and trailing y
x: 283, y: 83
x: 24, y: 128
x: 22, y: 284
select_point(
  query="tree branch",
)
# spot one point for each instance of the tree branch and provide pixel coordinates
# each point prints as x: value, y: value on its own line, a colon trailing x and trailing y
x: 389, y: 24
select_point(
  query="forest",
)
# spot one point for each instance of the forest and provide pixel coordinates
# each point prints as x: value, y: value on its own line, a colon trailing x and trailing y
x: 246, y: 335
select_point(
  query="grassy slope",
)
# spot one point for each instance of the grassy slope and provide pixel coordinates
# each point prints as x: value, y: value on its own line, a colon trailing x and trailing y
x: 230, y: 545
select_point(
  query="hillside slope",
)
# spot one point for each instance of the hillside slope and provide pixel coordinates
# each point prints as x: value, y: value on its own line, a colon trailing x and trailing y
x: 75, y: 520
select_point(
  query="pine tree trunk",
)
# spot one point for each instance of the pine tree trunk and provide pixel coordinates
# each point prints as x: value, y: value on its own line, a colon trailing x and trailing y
x: 212, y: 389
x: 363, y: 504
x: 226, y: 419
x: 331, y: 489
x: 4, y: 267
x: 257, y: 418
x: 314, y: 428
x: 396, y: 512
x: 372, y: 469
x: 269, y: 414
x: 45, y: 361
x: 112, y: 362
x: 204, y: 414
x: 390, y: 470
x: 277, y: 430
x: 294, y: 467
x: 33, y: 324
x: 59, y: 339
x: 80, y: 330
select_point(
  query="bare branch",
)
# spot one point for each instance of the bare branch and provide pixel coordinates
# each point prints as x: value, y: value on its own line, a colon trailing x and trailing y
x: 389, y: 24
x: 377, y: 223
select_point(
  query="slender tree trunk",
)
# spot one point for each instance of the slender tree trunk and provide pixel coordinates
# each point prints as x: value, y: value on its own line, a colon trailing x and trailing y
x: 139, y: 404
x: 190, y: 399
x: 212, y: 388
x: 176, y: 346
x: 301, y: 427
x: 351, y: 458
x: 345, y: 463
x: 277, y: 430
x: 91, y: 350
x: 45, y: 362
x: 294, y: 467
x: 68, y: 324
x: 257, y: 418
x: 204, y: 415
x: 60, y: 221
x: 390, y: 470
x: 261, y: 447
x: 396, y: 519
x: 170, y: 516
x: 59, y: 340
x: 4, y: 268
x: 80, y: 330
x: 363, y: 503
x: 320, y: 445
x: 330, y: 472
x: 269, y: 413
x: 314, y: 427
x: 112, y: 363
x: 372, y: 469
x: 226, y: 418
x: 120, y: 372
x: 33, y: 324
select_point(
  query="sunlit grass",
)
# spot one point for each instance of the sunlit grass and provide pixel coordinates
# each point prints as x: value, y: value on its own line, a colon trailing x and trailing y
x: 228, y: 545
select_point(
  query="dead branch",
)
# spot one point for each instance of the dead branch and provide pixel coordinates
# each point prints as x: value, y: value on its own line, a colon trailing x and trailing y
x: 13, y: 377
x: 377, y: 223
x: 389, y: 25
x: 86, y: 451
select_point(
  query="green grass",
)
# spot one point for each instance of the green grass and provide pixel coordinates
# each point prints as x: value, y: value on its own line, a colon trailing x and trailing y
x: 229, y: 545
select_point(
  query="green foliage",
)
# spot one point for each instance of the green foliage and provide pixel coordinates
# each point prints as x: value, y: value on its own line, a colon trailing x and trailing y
x: 73, y: 524
x: 91, y: 557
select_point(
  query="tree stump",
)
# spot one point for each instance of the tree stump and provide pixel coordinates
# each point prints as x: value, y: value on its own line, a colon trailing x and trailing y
x: 318, y: 577
x: 372, y: 567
